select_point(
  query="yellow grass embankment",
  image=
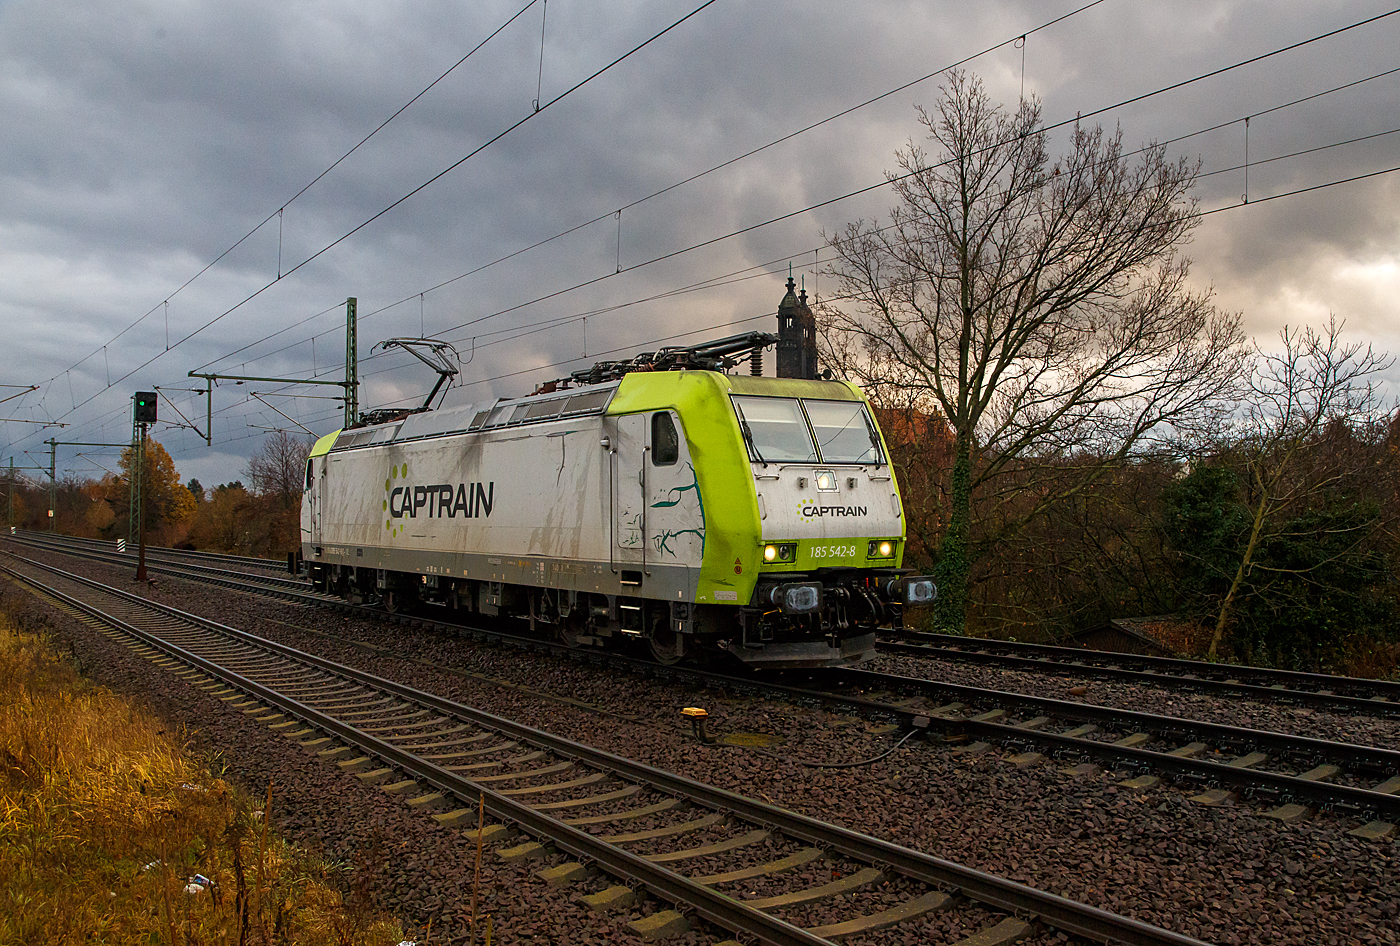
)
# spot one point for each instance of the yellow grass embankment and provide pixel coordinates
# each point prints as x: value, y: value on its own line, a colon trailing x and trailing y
x: 111, y: 832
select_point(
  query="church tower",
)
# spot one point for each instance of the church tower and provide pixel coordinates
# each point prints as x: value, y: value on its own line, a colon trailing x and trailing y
x: 797, y: 336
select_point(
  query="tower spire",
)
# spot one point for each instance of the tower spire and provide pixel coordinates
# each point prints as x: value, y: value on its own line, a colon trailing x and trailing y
x: 797, y: 334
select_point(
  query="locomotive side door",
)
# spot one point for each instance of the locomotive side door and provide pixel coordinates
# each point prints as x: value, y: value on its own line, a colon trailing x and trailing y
x: 628, y: 475
x: 321, y: 485
x: 675, y: 518
x: 315, y: 495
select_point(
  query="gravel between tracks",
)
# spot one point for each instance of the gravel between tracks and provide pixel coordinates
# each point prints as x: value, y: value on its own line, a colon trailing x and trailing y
x: 1223, y: 875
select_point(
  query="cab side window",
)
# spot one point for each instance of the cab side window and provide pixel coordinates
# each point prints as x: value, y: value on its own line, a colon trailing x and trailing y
x: 308, y: 473
x: 665, y: 440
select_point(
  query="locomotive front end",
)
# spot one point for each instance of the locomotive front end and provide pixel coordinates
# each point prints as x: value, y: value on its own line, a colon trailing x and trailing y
x: 831, y: 526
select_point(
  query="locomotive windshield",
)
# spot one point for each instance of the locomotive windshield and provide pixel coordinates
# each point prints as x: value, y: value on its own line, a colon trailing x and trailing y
x: 777, y: 430
x: 844, y: 432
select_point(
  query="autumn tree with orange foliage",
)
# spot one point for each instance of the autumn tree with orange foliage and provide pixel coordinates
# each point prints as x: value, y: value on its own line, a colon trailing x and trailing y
x: 225, y: 522
x: 921, y: 451
x: 166, y: 503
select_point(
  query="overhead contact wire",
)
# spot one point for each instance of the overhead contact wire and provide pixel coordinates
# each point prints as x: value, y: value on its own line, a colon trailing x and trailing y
x: 538, y: 108
x: 883, y: 183
x: 278, y: 212
x: 1079, y: 117
x: 405, y: 197
x: 737, y: 158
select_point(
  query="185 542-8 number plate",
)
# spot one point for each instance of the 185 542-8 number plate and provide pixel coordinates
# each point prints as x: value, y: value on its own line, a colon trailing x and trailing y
x: 834, y: 551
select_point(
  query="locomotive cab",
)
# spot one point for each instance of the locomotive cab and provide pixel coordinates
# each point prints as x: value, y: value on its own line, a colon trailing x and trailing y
x: 794, y: 512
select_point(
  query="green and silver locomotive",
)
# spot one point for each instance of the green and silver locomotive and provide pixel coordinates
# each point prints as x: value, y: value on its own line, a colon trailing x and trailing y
x: 662, y: 500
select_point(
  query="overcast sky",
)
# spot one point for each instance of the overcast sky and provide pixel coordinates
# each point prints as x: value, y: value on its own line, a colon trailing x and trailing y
x: 142, y: 140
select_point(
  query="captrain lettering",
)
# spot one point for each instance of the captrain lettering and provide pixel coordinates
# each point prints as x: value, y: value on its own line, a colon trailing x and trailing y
x: 812, y: 512
x: 443, y: 501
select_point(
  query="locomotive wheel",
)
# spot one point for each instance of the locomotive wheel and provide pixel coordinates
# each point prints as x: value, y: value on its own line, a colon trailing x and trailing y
x: 666, y: 645
x: 568, y: 630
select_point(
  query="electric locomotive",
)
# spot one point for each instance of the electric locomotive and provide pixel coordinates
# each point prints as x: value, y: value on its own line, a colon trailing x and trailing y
x: 661, y: 500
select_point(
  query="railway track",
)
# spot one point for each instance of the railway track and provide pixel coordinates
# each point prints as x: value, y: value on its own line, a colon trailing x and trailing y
x: 191, y: 559
x: 1352, y: 695
x: 1316, y: 690
x: 688, y: 842
x: 1287, y: 777
x: 244, y: 563
x: 1290, y: 777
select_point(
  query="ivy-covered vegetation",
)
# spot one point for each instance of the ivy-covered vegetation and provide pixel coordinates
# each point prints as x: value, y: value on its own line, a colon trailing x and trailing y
x: 1161, y: 536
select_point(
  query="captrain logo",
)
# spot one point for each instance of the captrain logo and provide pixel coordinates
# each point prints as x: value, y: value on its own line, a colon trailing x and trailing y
x: 807, y: 509
x: 404, y: 500
x: 394, y: 472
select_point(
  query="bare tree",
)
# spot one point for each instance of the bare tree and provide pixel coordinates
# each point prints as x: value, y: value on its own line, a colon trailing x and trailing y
x: 278, y: 467
x: 1314, y: 382
x: 1042, y: 309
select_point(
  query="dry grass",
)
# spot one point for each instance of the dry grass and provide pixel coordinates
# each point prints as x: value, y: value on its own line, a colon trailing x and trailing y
x: 104, y: 819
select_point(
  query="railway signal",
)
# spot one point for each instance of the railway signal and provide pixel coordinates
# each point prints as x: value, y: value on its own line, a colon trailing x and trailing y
x: 145, y: 410
x: 143, y: 414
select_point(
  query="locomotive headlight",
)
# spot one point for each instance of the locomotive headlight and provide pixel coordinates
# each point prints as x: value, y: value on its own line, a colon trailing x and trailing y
x: 780, y: 553
x: 826, y: 481
x: 881, y: 548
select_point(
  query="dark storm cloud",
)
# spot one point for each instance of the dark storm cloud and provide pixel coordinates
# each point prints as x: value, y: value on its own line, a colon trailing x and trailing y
x: 143, y: 139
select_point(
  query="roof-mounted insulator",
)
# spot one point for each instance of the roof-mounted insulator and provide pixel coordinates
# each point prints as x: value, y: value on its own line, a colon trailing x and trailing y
x: 721, y: 355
